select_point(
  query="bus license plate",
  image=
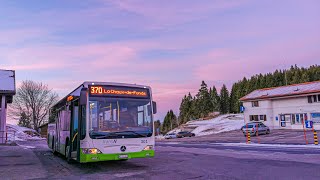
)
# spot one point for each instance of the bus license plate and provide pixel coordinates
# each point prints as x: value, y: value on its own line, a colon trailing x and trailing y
x: 123, y: 156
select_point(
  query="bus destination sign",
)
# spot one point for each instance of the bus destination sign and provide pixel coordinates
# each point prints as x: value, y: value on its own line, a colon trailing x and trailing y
x: 118, y: 91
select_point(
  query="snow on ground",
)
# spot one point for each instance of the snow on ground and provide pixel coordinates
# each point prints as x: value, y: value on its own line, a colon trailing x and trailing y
x: 18, y: 133
x: 159, y: 137
x: 223, y: 123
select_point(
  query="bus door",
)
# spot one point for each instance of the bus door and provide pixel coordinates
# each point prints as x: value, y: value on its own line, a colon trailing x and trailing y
x: 74, y: 140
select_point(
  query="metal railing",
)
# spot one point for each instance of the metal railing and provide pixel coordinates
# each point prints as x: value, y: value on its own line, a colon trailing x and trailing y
x: 7, y: 136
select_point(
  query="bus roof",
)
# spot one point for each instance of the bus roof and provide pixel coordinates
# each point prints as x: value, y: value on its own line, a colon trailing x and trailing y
x: 76, y: 92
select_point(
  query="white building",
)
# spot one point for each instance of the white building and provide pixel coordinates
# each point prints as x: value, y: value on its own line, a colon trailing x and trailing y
x: 7, y: 90
x: 284, y: 107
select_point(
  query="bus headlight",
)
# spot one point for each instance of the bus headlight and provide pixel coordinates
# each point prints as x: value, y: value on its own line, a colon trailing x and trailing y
x: 149, y: 147
x: 91, y: 151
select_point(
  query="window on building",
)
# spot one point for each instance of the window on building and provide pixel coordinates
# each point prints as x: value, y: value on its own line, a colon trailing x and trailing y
x: 298, y: 118
x: 293, y: 119
x: 315, y: 98
x: 255, y: 103
x: 263, y: 118
x: 258, y: 117
x: 254, y: 117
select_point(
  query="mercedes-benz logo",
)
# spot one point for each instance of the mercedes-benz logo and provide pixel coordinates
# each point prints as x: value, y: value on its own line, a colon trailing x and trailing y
x: 123, y: 148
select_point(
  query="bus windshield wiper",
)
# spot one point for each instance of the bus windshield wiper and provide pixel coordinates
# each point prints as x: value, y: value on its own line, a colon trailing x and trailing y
x: 102, y: 136
x: 133, y: 132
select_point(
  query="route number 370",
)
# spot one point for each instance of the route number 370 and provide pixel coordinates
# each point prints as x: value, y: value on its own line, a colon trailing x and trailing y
x: 96, y: 90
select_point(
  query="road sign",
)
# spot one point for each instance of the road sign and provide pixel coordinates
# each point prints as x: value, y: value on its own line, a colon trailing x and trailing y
x: 242, y: 108
x: 309, y: 123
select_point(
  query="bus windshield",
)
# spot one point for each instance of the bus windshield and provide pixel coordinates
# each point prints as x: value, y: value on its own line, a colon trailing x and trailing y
x: 112, y: 118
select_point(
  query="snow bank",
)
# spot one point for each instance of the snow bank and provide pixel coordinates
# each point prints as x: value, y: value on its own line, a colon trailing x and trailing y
x: 159, y: 137
x: 223, y: 123
x: 219, y: 124
x: 18, y: 133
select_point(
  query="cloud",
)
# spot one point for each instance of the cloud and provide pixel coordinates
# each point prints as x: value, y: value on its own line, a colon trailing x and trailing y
x: 233, y: 64
x: 50, y: 57
x: 170, y: 13
x: 14, y: 36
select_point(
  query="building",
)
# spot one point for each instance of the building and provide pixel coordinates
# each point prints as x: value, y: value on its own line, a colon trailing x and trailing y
x: 43, y: 130
x: 7, y: 90
x: 285, y: 107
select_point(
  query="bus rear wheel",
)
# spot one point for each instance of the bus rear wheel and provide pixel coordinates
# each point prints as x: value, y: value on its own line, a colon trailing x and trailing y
x: 53, y: 149
x: 67, y: 154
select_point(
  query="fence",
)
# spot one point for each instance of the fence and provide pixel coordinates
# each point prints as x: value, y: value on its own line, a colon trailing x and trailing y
x: 7, y: 136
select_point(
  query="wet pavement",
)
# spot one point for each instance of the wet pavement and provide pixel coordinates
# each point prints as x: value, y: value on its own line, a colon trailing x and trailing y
x: 173, y: 160
x: 277, y: 136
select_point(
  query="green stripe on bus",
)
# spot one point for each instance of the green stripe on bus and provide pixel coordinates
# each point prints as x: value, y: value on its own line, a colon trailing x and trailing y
x: 111, y: 157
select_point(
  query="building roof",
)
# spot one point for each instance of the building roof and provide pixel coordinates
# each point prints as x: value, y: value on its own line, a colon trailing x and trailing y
x: 7, y: 82
x: 283, y: 91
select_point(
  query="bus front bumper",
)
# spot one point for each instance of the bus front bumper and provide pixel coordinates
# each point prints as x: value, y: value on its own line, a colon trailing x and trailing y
x: 111, y: 157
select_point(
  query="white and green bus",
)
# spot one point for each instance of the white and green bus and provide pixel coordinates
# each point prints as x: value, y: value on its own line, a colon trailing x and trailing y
x: 101, y: 121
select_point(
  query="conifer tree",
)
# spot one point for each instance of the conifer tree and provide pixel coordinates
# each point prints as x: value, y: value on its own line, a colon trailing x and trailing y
x: 224, y: 100
x: 169, y: 122
x: 204, y: 100
x: 215, y: 99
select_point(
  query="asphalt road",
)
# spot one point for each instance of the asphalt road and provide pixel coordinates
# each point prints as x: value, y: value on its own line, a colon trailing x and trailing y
x: 185, y: 160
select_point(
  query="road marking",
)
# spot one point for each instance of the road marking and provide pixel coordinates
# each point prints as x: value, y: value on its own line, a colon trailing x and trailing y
x: 121, y: 175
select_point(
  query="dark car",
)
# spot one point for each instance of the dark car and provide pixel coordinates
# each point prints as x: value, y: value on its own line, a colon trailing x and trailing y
x: 185, y: 134
x: 255, y: 128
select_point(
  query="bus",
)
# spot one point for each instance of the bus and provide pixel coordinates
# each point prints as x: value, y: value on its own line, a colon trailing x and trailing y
x: 102, y: 121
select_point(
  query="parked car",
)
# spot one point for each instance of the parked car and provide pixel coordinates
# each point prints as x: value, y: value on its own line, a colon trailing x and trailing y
x: 185, y: 134
x: 255, y: 128
x: 170, y: 136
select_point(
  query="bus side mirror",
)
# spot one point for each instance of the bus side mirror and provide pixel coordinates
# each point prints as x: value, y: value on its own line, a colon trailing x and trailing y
x: 154, y: 106
x: 83, y: 96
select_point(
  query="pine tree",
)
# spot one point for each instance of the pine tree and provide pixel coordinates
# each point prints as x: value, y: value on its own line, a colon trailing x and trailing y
x: 194, y: 108
x: 224, y: 100
x: 204, y: 100
x: 234, y: 99
x: 170, y: 122
x: 183, y: 110
x: 215, y: 99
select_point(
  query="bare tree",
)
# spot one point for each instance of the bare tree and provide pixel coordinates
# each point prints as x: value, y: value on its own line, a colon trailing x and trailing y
x: 32, y: 103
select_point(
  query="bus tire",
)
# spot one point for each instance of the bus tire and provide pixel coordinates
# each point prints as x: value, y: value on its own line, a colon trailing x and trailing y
x: 53, y: 149
x: 67, y: 151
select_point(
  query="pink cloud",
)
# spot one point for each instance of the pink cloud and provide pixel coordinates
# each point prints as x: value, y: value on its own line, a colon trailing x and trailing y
x: 234, y: 64
x: 53, y: 57
x: 163, y: 14
x: 13, y: 36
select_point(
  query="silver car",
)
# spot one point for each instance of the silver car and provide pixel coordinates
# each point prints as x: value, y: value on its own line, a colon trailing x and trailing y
x: 170, y: 136
x: 255, y: 128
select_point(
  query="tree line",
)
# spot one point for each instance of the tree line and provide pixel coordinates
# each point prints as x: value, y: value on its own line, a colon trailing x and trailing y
x: 208, y: 100
x: 33, y: 100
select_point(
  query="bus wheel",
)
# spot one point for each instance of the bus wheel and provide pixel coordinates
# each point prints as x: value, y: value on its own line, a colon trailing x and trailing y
x: 53, y: 150
x: 67, y: 151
